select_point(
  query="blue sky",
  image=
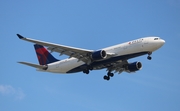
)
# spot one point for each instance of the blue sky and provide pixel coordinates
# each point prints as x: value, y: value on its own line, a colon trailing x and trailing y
x: 90, y: 24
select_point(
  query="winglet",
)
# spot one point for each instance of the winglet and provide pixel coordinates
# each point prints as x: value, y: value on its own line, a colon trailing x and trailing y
x: 20, y: 36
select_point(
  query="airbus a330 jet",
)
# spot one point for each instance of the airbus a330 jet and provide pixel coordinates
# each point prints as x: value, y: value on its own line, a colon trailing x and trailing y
x: 114, y: 58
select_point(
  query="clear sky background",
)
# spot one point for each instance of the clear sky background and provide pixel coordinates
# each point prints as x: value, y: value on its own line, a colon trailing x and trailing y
x: 89, y: 24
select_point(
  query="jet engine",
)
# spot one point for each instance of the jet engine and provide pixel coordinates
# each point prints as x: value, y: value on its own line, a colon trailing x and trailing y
x: 135, y: 66
x: 98, y: 55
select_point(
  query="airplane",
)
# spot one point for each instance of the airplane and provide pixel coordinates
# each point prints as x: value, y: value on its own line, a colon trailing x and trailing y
x: 114, y: 58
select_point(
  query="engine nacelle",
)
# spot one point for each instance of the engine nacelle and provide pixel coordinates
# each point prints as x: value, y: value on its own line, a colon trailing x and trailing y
x: 135, y: 66
x: 98, y: 55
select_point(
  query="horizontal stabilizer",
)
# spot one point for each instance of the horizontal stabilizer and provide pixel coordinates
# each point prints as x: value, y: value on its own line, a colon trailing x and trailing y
x: 34, y: 65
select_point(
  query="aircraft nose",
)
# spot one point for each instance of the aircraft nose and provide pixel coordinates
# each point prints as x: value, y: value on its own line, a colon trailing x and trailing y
x: 161, y: 42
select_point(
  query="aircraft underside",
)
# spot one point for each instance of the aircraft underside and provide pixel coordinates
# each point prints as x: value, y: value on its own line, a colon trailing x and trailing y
x: 109, y: 63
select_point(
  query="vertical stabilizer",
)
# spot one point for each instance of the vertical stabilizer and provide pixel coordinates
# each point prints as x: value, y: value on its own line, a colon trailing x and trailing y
x: 44, y: 57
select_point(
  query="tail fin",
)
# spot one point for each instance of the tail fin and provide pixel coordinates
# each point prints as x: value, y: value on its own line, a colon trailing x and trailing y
x: 44, y: 57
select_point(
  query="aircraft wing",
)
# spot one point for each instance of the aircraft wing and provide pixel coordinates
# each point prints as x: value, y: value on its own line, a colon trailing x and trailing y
x: 118, y: 67
x: 80, y: 54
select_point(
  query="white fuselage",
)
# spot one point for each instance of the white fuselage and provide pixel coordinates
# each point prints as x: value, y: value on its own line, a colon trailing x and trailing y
x: 148, y: 44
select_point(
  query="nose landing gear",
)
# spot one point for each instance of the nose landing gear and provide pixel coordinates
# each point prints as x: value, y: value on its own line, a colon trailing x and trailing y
x: 149, y: 56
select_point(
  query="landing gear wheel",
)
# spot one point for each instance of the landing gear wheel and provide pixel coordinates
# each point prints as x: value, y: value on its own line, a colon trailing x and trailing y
x: 110, y: 74
x: 86, y: 71
x: 106, y: 78
x: 149, y: 57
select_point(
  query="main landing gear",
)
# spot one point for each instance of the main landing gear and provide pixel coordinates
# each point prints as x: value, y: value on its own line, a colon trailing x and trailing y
x: 149, y: 56
x: 107, y: 77
x: 86, y: 71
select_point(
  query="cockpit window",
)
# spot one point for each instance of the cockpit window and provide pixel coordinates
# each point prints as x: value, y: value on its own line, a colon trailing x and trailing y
x: 156, y: 38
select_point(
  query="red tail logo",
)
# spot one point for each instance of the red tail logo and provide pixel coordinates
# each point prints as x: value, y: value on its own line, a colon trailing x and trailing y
x: 44, y: 57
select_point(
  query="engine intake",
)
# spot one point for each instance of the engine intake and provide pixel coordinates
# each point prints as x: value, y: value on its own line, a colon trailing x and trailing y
x: 135, y: 66
x: 98, y: 55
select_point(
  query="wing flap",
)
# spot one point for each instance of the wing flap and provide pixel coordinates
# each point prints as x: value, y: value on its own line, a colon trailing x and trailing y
x: 118, y: 66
